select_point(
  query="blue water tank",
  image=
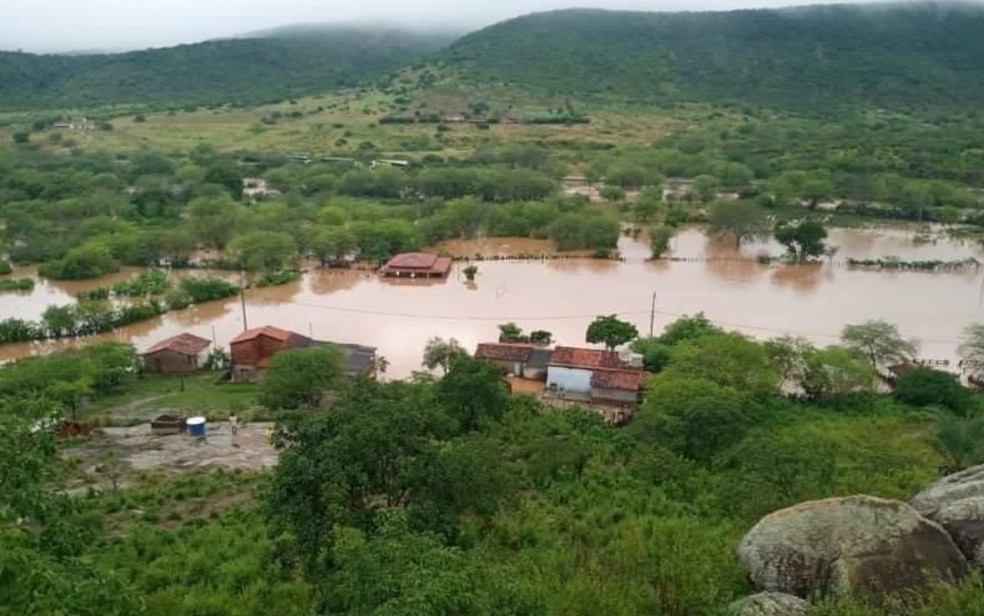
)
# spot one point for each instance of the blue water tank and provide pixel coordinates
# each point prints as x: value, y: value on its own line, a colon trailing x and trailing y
x: 196, y: 426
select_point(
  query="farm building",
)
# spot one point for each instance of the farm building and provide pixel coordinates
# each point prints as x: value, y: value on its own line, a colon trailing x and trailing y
x: 523, y: 360
x: 181, y: 354
x: 417, y: 265
x: 252, y: 350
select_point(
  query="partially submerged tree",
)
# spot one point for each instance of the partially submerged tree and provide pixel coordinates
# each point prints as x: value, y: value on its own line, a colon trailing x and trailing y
x: 971, y: 348
x: 659, y: 240
x: 743, y: 220
x: 879, y: 342
x: 804, y: 240
x: 611, y: 331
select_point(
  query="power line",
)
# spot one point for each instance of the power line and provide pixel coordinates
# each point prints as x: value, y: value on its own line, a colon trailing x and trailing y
x: 623, y: 313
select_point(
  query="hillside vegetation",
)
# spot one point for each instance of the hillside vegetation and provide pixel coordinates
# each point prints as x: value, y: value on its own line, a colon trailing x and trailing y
x: 822, y: 56
x: 243, y: 71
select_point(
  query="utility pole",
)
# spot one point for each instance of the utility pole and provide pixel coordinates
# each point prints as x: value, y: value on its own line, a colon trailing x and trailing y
x: 242, y: 293
x: 652, y: 316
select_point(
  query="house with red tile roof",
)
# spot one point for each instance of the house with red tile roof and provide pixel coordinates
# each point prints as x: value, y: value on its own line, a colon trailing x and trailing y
x: 252, y: 350
x: 417, y: 265
x: 527, y: 361
x: 594, y: 375
x: 181, y: 354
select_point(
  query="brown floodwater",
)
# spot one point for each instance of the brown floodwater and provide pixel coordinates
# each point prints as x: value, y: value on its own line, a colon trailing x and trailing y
x: 564, y: 295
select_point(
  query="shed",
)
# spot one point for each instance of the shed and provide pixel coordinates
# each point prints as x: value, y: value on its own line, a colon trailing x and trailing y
x: 181, y: 354
x: 417, y: 265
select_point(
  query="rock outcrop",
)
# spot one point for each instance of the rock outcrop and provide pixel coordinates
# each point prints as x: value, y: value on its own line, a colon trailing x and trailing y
x: 769, y: 604
x: 858, y: 544
x: 956, y: 502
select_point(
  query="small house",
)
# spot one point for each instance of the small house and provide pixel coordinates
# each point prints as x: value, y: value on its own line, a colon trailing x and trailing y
x: 252, y: 350
x: 181, y: 354
x: 593, y: 375
x: 617, y: 386
x: 523, y: 360
x: 417, y: 265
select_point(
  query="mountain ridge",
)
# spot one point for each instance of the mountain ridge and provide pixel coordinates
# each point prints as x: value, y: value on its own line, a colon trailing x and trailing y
x: 911, y: 54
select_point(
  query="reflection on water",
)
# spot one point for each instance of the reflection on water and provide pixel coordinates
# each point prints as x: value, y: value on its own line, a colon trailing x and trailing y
x: 564, y: 295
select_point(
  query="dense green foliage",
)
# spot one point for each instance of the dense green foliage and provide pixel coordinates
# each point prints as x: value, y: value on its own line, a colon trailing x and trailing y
x: 301, y: 377
x: 449, y: 496
x: 94, y: 314
x: 74, y: 214
x: 816, y: 58
x: 243, y: 71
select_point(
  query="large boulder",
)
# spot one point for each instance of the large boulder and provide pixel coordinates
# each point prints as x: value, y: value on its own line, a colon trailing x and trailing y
x: 858, y: 544
x: 769, y: 604
x: 957, y: 503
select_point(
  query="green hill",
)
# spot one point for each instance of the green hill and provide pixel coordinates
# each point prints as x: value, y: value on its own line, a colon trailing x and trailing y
x: 886, y: 55
x: 244, y: 70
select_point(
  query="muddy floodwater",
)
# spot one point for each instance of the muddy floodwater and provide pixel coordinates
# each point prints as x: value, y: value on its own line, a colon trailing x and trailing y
x: 564, y: 295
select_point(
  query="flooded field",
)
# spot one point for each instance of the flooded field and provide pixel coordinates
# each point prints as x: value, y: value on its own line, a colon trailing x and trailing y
x: 563, y: 296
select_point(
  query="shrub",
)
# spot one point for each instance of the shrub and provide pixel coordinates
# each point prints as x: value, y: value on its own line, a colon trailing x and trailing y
x: 928, y: 387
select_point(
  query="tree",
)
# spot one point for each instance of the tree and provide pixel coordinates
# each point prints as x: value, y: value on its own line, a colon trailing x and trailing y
x: 299, y: 378
x: 728, y: 359
x: 610, y: 331
x: 879, y: 342
x: 265, y: 250
x: 370, y: 453
x: 691, y: 416
x: 541, y: 336
x: 213, y: 220
x: 510, y: 332
x: 655, y: 354
x: 928, y: 387
x: 332, y: 244
x: 22, y: 137
x: 612, y: 194
x: 835, y: 371
x: 706, y: 187
x: 744, y: 220
x: 688, y: 328
x: 470, y: 272
x: 647, y: 205
x: 473, y: 392
x: 440, y: 353
x: 971, y: 348
x: 659, y: 240
x: 803, y: 240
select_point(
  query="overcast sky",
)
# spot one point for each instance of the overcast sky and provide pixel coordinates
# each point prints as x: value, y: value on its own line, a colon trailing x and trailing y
x: 69, y: 25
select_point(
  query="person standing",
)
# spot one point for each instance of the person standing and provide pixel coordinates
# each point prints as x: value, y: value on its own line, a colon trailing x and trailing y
x: 234, y: 425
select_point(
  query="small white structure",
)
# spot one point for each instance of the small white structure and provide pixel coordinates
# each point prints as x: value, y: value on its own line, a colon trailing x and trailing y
x: 257, y: 188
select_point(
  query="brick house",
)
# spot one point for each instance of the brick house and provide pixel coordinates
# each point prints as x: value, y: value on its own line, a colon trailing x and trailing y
x: 523, y: 360
x: 252, y: 350
x: 181, y: 354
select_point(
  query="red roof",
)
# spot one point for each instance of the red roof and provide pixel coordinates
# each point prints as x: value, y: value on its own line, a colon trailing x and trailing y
x: 585, y: 358
x: 185, y: 344
x: 627, y: 380
x: 413, y: 260
x: 269, y: 331
x: 503, y: 352
x: 420, y: 262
